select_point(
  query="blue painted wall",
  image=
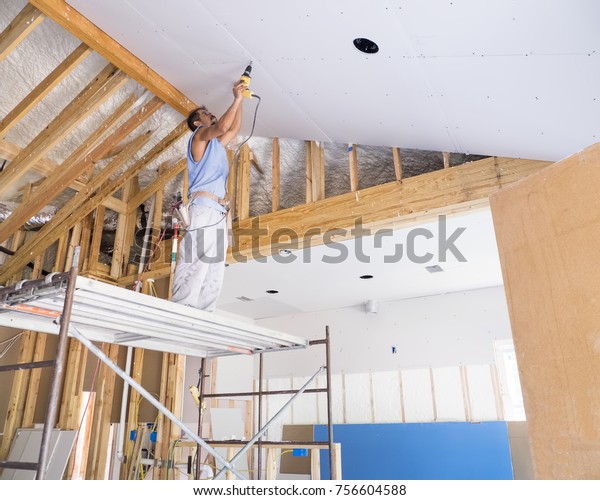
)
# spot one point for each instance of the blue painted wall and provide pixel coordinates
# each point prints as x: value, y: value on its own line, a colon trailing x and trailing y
x: 449, y: 450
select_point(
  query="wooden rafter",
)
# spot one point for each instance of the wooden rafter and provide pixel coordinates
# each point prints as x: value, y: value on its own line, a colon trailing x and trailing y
x: 73, y: 210
x: 243, y: 193
x: 89, y: 33
x: 80, y: 160
x: 89, y: 99
x: 393, y: 204
x: 46, y: 168
x: 63, y: 176
x: 85, y: 202
x: 19, y: 28
x: 43, y: 88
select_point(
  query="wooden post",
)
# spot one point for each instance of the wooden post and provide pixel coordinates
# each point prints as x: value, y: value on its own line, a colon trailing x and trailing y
x: 446, y: 156
x: 309, y: 172
x: 337, y: 462
x: 243, y: 194
x: 315, y: 464
x: 96, y: 239
x: 276, y: 177
x: 232, y: 181
x: 353, y: 167
x: 397, y: 163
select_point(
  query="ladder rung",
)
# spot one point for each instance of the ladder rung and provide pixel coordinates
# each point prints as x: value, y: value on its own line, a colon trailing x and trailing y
x: 19, y: 465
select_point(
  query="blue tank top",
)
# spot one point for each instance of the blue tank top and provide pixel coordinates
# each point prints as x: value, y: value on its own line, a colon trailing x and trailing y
x: 210, y: 173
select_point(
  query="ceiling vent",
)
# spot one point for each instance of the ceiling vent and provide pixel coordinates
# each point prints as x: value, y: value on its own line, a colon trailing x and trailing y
x: 434, y: 269
x: 242, y: 298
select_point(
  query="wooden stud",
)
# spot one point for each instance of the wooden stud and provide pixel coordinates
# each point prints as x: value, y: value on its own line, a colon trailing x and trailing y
x: 96, y: 239
x: 353, y: 167
x: 134, y: 401
x: 321, y: 168
x: 156, y: 222
x: 23, y: 24
x: 271, y: 465
x: 315, y: 464
x: 446, y: 157
x: 243, y: 194
x: 87, y: 32
x: 89, y: 99
x: 86, y: 235
x: 309, y: 172
x: 43, y: 88
x: 232, y: 181
x: 337, y: 462
x: 397, y: 163
x: 16, y: 402
x: 276, y: 177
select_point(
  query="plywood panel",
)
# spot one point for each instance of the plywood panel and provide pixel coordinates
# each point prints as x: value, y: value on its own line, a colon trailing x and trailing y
x: 548, y: 239
x: 448, y: 392
x: 418, y: 401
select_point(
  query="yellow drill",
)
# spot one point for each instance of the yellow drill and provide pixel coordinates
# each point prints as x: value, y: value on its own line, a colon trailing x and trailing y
x: 246, y: 79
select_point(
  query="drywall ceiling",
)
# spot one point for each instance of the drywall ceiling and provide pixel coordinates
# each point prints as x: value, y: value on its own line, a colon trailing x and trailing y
x: 308, y: 281
x: 500, y: 77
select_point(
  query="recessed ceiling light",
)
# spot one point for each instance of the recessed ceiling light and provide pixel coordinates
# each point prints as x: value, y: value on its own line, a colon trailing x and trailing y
x: 366, y: 277
x: 285, y: 252
x: 435, y: 269
x: 366, y: 46
x: 272, y: 291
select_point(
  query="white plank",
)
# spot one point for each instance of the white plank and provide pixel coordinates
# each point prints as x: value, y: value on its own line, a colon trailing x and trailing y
x: 448, y: 395
x: 387, y: 397
x: 418, y: 401
x: 481, y: 393
x: 358, y: 398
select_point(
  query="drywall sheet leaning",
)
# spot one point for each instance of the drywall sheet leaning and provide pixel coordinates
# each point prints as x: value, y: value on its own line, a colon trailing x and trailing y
x: 548, y: 233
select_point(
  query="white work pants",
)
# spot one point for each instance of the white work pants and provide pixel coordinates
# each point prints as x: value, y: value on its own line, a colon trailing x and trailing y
x: 201, y: 263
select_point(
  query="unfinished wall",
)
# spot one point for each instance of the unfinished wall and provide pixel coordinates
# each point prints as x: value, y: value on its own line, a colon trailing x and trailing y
x: 436, y: 331
x: 548, y: 239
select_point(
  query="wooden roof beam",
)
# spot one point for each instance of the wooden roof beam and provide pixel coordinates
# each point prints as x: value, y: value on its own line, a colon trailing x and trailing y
x: 69, y: 170
x: 90, y: 34
x: 23, y: 24
x: 415, y: 200
x: 84, y: 202
x: 167, y: 171
x: 88, y: 100
x: 46, y: 168
x: 43, y: 88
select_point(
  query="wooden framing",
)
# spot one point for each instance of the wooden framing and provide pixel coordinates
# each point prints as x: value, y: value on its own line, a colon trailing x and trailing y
x: 88, y: 100
x: 243, y: 192
x: 416, y: 199
x: 353, y: 167
x: 23, y: 24
x: 397, y: 163
x: 46, y: 168
x: 44, y: 88
x: 70, y: 169
x: 167, y: 171
x: 276, y: 177
x: 89, y: 33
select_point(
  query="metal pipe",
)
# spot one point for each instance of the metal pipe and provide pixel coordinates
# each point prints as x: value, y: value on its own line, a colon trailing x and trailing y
x: 329, y: 411
x: 268, y: 424
x: 260, y: 395
x: 129, y: 358
x: 19, y: 465
x: 200, y: 402
x: 264, y: 393
x: 26, y: 366
x: 152, y: 400
x: 59, y: 365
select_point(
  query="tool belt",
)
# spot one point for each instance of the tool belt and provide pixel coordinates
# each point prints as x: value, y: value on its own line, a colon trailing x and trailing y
x: 224, y: 202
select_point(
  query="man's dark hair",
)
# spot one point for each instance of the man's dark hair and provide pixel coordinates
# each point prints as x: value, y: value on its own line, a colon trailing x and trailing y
x: 193, y: 117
